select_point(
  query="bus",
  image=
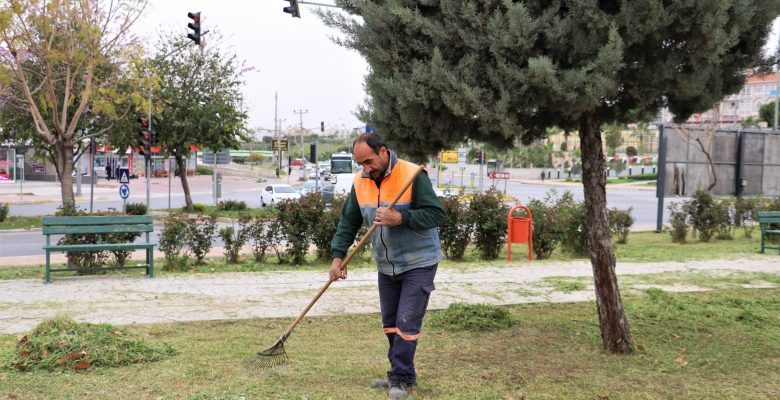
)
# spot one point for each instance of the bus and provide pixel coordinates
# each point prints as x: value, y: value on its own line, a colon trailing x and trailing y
x: 342, y: 172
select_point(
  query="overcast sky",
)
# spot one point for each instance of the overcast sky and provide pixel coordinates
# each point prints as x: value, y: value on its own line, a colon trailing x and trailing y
x: 291, y: 56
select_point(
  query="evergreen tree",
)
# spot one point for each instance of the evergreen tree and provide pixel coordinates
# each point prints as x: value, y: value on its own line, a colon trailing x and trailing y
x: 443, y: 71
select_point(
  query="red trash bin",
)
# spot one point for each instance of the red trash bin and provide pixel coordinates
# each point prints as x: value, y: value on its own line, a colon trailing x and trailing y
x: 519, y: 230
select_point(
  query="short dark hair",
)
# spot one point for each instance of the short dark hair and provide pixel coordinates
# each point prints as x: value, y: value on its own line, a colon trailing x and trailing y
x: 372, y: 139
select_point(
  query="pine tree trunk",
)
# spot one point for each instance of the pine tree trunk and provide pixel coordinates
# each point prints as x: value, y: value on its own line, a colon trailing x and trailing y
x: 181, y: 163
x: 615, y: 333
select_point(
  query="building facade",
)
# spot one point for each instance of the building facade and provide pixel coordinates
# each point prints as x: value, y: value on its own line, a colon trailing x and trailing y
x: 735, y: 108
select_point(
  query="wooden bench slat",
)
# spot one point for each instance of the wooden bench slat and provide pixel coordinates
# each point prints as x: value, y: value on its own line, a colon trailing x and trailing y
x: 80, y: 229
x: 99, y: 247
x: 100, y: 269
x: 99, y: 220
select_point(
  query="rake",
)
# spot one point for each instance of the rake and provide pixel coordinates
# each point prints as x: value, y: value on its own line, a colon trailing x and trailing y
x: 276, y: 355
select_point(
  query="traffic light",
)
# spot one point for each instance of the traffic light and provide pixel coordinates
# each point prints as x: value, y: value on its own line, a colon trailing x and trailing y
x: 195, y: 26
x: 144, y: 139
x: 313, y: 153
x: 153, y: 139
x: 293, y: 9
x: 322, y: 126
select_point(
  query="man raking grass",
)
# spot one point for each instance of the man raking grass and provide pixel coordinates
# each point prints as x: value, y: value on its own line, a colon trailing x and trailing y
x: 406, y: 248
x: 406, y: 229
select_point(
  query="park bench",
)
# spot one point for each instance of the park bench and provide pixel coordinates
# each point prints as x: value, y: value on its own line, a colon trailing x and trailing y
x: 770, y: 225
x: 97, y: 225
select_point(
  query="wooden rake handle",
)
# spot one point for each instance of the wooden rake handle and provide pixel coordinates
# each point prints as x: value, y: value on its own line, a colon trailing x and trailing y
x: 351, y: 254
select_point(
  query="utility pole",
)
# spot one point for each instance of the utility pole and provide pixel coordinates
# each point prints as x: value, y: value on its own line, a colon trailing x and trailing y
x: 300, y: 114
x: 276, y: 135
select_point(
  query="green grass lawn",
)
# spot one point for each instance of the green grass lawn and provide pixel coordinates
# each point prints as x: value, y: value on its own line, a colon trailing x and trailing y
x: 714, y: 345
x: 18, y: 222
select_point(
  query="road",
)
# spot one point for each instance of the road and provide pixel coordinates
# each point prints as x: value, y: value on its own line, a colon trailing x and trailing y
x: 25, y: 243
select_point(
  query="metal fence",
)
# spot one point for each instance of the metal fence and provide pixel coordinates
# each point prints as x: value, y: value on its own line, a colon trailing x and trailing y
x: 725, y: 161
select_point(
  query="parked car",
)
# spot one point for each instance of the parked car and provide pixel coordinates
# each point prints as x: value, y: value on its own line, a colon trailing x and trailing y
x: 326, y: 189
x: 273, y: 194
x: 308, y: 187
x: 327, y: 193
x: 447, y: 192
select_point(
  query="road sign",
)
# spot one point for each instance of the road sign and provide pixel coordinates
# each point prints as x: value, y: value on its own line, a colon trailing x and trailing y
x: 124, y: 191
x: 462, y: 156
x: 498, y: 175
x: 222, y: 157
x: 772, y: 92
x: 124, y: 175
x: 463, y: 153
x: 449, y: 156
x: 279, y: 144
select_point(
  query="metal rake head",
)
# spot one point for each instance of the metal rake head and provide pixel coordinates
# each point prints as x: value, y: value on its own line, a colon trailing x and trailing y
x: 272, y: 357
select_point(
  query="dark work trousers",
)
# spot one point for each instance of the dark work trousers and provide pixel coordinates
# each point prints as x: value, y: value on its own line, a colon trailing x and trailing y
x: 403, y: 299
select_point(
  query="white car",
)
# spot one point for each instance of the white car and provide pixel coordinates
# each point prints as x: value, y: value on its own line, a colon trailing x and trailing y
x: 447, y: 192
x: 273, y: 194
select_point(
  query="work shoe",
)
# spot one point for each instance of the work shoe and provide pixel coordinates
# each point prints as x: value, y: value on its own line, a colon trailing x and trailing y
x: 384, y: 384
x: 397, y: 391
x: 380, y: 383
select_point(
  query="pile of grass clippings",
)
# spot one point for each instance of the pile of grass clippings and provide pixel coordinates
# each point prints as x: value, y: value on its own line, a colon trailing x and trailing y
x: 471, y: 317
x: 61, y: 343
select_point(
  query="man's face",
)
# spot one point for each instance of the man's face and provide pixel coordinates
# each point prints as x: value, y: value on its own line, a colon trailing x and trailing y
x: 374, y: 165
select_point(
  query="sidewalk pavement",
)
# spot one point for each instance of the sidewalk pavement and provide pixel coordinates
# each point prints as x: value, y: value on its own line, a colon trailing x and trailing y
x: 132, y: 299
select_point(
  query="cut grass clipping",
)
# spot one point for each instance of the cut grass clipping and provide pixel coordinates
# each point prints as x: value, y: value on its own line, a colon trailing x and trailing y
x: 61, y: 343
x: 471, y: 317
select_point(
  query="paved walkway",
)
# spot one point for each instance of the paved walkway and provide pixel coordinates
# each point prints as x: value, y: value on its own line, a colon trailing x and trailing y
x: 189, y: 297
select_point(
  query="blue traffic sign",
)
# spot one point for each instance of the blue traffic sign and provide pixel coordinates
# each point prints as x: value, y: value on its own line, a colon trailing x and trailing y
x: 772, y: 92
x: 124, y: 191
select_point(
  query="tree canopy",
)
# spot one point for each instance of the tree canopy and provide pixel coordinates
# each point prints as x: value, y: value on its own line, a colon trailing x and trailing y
x: 62, y: 73
x: 767, y: 114
x: 444, y: 71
